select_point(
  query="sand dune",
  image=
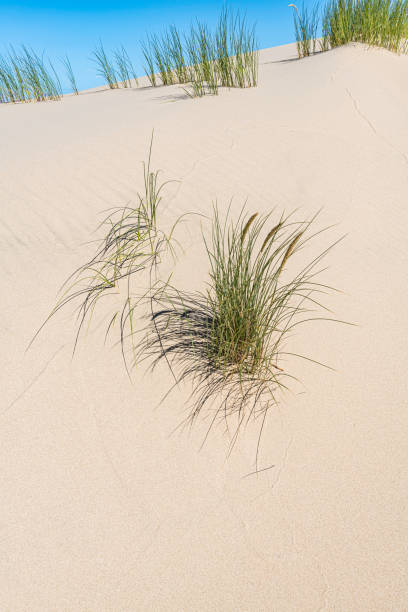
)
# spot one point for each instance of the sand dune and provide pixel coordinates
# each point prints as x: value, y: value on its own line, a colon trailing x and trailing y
x: 102, y: 509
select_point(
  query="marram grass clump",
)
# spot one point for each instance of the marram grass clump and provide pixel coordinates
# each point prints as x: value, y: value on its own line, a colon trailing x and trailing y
x: 305, y: 22
x: 204, y: 58
x: 230, y: 340
x: 381, y: 23
x: 132, y: 243
x: 26, y: 76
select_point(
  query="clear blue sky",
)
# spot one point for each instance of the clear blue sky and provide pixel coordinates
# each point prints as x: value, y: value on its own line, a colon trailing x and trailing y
x: 74, y: 27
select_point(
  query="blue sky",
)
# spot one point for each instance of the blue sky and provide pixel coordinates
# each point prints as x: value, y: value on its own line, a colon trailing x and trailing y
x: 74, y: 27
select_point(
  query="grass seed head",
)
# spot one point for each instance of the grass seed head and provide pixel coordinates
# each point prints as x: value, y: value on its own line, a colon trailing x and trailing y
x: 247, y: 226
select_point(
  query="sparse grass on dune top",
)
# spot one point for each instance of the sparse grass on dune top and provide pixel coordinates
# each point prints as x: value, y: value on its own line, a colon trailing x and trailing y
x: 124, y: 67
x: 105, y: 66
x: 206, y: 59
x: 70, y: 74
x: 26, y: 76
x: 382, y: 23
x: 230, y: 341
x: 306, y: 24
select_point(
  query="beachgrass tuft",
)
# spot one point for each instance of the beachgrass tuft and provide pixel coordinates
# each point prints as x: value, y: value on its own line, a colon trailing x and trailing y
x: 132, y: 243
x: 230, y: 340
x: 26, y: 76
x: 306, y: 24
x: 205, y: 59
x: 124, y: 67
x: 381, y: 23
x: 105, y: 66
x: 70, y: 74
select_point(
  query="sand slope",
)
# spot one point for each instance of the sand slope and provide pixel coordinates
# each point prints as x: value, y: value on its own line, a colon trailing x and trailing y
x: 102, y: 509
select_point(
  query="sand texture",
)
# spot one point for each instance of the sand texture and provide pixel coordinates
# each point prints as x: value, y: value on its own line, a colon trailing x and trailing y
x: 103, y: 509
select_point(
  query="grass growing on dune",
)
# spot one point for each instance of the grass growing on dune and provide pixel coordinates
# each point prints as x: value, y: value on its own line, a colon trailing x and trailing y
x: 381, y: 23
x: 124, y: 67
x: 132, y: 243
x: 149, y: 67
x: 115, y: 70
x: 236, y: 45
x: 105, y: 66
x: 202, y: 61
x: 70, y: 74
x: 305, y: 23
x: 206, y: 59
x: 26, y: 76
x: 176, y: 53
x: 162, y: 58
x: 230, y: 340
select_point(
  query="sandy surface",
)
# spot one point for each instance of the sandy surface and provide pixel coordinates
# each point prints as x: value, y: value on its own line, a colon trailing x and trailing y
x: 103, y: 509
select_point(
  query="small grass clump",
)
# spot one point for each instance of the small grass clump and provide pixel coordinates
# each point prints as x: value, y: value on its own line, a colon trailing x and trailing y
x: 124, y: 67
x: 237, y: 55
x: 105, y: 66
x: 202, y: 61
x: 26, y: 76
x: 150, y: 66
x: 306, y: 23
x: 70, y: 74
x: 206, y: 59
x: 115, y: 71
x: 380, y: 23
x: 176, y: 53
x: 132, y: 243
x: 230, y: 339
x: 164, y: 56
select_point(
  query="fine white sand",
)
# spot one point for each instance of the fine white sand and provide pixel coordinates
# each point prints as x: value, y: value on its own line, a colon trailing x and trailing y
x: 101, y: 508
